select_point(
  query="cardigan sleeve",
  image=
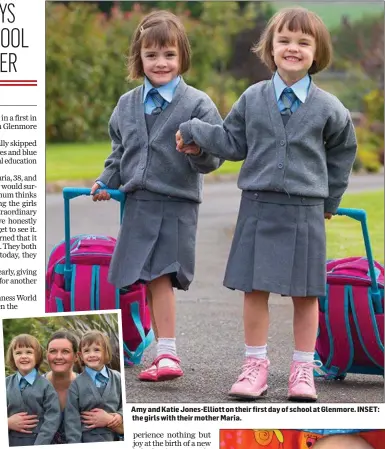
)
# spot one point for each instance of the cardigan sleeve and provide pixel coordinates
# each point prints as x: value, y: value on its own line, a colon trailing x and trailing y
x: 52, y: 416
x: 227, y: 141
x: 72, y: 418
x: 341, y: 149
x: 205, y: 162
x: 111, y: 174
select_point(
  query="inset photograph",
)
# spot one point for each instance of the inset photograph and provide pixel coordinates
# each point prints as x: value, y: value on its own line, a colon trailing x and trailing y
x: 63, y: 379
x: 301, y: 439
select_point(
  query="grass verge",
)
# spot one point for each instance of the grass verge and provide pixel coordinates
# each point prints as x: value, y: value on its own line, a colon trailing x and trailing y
x: 344, y: 235
x: 72, y: 161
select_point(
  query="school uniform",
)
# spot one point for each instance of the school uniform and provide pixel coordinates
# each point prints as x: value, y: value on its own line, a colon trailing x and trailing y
x: 295, y: 169
x: 163, y: 187
x: 37, y: 398
x: 84, y: 395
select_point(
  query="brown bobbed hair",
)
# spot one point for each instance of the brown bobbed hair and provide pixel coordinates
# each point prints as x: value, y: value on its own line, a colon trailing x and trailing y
x: 64, y: 334
x: 159, y: 29
x: 99, y: 338
x: 296, y: 19
x: 24, y: 341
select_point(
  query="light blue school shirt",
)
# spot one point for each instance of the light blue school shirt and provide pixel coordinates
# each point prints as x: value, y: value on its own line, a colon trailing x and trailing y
x: 30, y: 377
x: 92, y: 373
x: 166, y: 91
x: 300, y: 88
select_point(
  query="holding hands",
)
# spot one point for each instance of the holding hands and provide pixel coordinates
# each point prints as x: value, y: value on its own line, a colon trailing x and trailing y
x: 186, y: 149
x: 103, y: 195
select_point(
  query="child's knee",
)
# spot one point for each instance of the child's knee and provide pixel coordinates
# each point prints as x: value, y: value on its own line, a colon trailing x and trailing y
x: 342, y: 442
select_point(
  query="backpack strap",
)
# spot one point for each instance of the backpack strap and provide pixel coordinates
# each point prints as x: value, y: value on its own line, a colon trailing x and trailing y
x: 339, y: 333
x: 82, y: 296
x: 106, y: 290
x: 134, y: 357
x: 366, y: 324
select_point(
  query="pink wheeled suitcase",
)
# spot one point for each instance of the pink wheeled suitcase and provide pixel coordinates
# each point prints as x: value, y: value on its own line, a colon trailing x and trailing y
x: 351, y: 315
x: 76, y: 280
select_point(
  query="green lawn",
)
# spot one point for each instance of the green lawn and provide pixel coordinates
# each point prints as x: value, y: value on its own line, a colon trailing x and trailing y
x: 344, y: 236
x: 84, y: 161
x: 73, y: 162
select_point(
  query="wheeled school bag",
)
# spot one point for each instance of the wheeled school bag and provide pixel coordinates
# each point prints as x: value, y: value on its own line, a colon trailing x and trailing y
x: 76, y: 280
x: 351, y: 315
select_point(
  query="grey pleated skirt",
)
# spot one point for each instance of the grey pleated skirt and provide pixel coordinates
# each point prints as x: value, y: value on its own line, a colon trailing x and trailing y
x: 279, y: 245
x: 157, y: 237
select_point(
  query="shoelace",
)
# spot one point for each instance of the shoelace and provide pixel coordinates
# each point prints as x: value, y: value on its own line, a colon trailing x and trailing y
x: 250, y: 369
x: 304, y: 371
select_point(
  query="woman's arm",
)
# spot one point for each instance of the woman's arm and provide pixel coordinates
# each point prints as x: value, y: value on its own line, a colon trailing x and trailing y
x: 98, y: 417
x: 22, y: 422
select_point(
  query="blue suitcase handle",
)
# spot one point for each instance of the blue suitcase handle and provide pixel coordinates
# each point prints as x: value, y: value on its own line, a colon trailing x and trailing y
x: 360, y: 215
x: 70, y: 193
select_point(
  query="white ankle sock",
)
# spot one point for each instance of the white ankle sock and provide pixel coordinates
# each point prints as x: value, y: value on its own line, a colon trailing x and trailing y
x: 166, y: 346
x: 299, y: 356
x: 258, y: 352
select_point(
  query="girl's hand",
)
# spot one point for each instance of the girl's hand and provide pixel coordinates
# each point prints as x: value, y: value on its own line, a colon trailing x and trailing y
x: 96, y: 418
x: 103, y: 195
x: 328, y: 215
x: 179, y: 141
x: 191, y: 149
x: 22, y: 422
x: 116, y: 422
x: 186, y: 149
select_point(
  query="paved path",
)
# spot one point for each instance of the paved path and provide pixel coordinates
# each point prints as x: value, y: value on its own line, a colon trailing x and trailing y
x: 209, y: 316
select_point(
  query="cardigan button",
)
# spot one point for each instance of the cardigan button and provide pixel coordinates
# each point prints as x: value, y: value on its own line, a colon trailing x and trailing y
x: 282, y: 142
x: 280, y: 165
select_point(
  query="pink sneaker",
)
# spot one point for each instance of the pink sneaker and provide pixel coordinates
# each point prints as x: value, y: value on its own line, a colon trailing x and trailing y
x: 252, y: 383
x: 301, y: 381
x: 164, y: 367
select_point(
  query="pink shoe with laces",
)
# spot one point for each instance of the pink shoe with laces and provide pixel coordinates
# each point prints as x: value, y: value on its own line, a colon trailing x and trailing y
x: 301, y: 381
x: 252, y: 383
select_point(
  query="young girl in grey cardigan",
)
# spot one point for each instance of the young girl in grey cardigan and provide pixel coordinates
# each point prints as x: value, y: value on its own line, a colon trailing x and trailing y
x: 298, y: 145
x: 32, y: 403
x: 156, y: 242
x: 98, y: 387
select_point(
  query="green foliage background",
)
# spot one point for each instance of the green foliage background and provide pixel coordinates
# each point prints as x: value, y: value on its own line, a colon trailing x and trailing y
x: 86, y: 52
x: 43, y: 327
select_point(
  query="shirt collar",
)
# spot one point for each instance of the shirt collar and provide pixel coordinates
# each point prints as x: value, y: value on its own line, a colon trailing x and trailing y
x: 92, y: 373
x: 30, y: 377
x: 166, y: 91
x: 300, y: 88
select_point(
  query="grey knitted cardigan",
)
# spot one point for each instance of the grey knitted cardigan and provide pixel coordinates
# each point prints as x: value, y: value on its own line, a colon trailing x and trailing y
x: 311, y: 156
x: 151, y: 162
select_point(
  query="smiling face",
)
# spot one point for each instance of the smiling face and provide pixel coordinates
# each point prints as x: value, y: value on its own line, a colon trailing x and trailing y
x: 293, y: 53
x: 25, y: 359
x: 61, y: 356
x: 93, y: 356
x: 160, y: 64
